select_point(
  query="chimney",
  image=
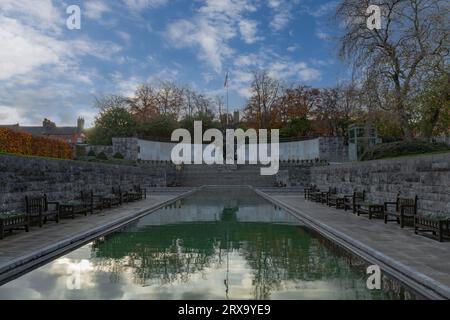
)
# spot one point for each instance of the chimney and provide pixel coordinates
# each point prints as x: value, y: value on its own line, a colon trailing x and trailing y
x: 47, y: 124
x: 80, y: 124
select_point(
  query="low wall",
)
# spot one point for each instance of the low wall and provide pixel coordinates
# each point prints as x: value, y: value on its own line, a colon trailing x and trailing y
x: 300, y: 150
x: 425, y: 176
x: 63, y: 179
x: 325, y: 148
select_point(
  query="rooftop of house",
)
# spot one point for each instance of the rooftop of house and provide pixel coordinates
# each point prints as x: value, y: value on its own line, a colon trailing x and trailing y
x: 48, y: 128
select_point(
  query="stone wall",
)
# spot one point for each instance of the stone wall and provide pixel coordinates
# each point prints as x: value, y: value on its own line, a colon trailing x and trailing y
x: 127, y: 147
x: 333, y: 149
x: 107, y: 150
x: 325, y: 148
x: 425, y: 176
x: 62, y: 179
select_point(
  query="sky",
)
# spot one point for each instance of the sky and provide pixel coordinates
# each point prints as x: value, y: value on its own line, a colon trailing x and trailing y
x: 49, y: 71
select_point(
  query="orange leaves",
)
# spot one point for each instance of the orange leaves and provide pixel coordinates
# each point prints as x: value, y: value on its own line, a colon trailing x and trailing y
x: 26, y: 144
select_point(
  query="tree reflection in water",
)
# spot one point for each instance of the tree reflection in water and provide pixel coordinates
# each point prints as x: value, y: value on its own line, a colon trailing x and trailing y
x: 167, y: 254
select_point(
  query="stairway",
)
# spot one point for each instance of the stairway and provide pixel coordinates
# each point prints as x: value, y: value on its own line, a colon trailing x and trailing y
x: 199, y: 175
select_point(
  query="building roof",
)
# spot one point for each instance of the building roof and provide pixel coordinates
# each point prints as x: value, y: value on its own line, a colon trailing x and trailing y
x: 42, y: 131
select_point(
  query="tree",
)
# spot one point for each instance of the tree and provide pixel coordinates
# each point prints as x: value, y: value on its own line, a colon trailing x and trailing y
x: 144, y: 104
x: 296, y: 127
x: 207, y: 118
x: 114, y: 121
x: 104, y: 103
x: 434, y: 107
x: 159, y: 126
x: 170, y: 99
x: 412, y: 43
x: 296, y: 102
x: 265, y: 93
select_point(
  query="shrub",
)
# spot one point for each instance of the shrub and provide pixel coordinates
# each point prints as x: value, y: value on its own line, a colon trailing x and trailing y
x: 118, y: 155
x: 91, y: 153
x: 403, y: 148
x: 26, y: 144
x: 102, y: 156
x: 80, y: 151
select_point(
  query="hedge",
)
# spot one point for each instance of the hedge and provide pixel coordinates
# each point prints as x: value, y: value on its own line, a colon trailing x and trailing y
x: 26, y: 144
x: 403, y: 148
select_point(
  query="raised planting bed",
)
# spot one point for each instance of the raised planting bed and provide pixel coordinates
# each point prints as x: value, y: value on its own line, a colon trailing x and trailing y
x: 437, y: 225
x: 10, y: 221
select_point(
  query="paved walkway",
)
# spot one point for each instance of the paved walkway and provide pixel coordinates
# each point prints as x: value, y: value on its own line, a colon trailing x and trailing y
x: 421, y: 258
x: 24, y: 249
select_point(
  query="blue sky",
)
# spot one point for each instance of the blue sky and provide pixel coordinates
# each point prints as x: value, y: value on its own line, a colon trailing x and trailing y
x: 49, y: 71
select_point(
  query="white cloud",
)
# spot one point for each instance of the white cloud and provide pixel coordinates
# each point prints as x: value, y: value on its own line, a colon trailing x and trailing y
x: 323, y: 9
x: 246, y: 60
x: 10, y: 115
x: 281, y: 13
x: 210, y: 30
x: 165, y: 74
x: 124, y: 36
x: 289, y: 70
x: 278, y: 66
x: 42, y: 15
x: 23, y: 49
x: 125, y: 86
x: 41, y: 73
x: 323, y: 35
x: 137, y: 5
x: 94, y: 9
x: 249, y: 30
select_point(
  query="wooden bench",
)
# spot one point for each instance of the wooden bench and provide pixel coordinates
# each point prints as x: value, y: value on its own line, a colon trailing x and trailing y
x: 136, y: 193
x: 82, y: 205
x: 439, y: 228
x: 371, y: 209
x: 308, y: 190
x: 90, y: 201
x: 110, y: 200
x: 10, y: 221
x: 40, y: 210
x: 352, y: 202
x: 316, y: 195
x: 337, y: 200
x: 123, y: 196
x: 402, y: 209
x: 141, y: 191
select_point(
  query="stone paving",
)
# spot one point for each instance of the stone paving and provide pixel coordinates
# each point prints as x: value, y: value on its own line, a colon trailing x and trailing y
x: 423, y: 258
x: 22, y: 247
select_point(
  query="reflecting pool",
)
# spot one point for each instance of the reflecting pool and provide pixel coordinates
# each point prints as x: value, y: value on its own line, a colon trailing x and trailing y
x: 218, y: 243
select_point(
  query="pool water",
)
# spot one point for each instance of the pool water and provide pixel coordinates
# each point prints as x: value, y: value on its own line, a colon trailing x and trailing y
x: 218, y: 243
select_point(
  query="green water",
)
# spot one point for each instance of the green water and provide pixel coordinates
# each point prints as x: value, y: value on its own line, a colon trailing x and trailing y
x: 217, y: 244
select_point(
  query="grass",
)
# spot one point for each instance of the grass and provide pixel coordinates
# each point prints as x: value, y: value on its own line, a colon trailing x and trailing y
x: 404, y: 149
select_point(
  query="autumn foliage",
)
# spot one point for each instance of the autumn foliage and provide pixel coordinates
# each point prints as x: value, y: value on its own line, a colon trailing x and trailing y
x: 26, y: 144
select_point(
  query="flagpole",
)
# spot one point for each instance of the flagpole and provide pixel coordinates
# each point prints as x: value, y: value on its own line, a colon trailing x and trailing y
x: 227, y: 95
